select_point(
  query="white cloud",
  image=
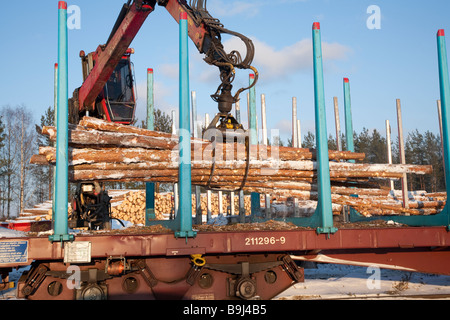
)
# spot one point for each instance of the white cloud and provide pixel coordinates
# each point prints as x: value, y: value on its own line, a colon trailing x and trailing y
x: 248, y: 8
x: 163, y: 95
x: 284, y: 126
x: 169, y: 70
x: 275, y: 63
x: 209, y: 75
x: 223, y: 9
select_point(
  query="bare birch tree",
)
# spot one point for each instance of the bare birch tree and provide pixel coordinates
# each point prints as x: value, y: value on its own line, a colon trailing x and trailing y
x: 15, y: 155
x: 24, y: 142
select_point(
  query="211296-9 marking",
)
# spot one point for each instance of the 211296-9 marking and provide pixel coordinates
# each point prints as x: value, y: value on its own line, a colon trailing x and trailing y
x: 264, y: 241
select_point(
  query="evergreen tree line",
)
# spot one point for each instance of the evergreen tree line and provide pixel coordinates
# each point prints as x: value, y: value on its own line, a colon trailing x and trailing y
x: 420, y: 149
x: 23, y: 185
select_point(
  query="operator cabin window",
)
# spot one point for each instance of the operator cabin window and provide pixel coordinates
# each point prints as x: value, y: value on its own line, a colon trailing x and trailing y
x: 120, y: 97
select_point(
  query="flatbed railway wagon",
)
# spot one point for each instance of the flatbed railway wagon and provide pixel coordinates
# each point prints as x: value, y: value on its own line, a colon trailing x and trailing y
x: 175, y: 259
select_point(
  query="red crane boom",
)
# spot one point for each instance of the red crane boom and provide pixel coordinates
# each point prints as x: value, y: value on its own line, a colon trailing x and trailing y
x: 205, y: 32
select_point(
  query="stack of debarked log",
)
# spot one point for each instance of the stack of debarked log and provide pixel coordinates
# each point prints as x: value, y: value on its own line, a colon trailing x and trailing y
x: 131, y: 206
x: 104, y: 151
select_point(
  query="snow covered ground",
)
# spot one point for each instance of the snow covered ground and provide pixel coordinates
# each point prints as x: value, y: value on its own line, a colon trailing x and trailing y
x: 332, y: 281
x: 7, y: 233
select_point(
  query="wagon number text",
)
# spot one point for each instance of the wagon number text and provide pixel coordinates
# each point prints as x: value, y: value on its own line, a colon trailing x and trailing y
x: 262, y: 241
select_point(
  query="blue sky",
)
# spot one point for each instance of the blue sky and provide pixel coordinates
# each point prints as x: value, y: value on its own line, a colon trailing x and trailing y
x: 398, y: 61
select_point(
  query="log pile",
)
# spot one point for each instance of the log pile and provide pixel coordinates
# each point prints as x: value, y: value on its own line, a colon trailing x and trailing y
x: 48, y: 216
x: 131, y: 207
x: 420, y: 203
x: 102, y: 151
x: 225, y: 204
x: 383, y: 202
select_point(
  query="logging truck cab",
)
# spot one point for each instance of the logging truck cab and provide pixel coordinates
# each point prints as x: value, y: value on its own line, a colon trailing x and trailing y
x: 117, y: 100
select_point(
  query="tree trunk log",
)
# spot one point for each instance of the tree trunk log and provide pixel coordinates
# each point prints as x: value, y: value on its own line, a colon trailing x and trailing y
x: 170, y: 160
x: 93, y: 131
x: 103, y: 151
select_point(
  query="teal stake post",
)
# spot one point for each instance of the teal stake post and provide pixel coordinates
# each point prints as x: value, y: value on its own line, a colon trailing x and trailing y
x: 252, y: 112
x: 322, y: 218
x: 324, y: 207
x: 348, y: 117
x: 185, y: 186
x: 254, y: 197
x: 444, y: 84
x: 60, y: 228
x: 149, y: 186
x: 442, y: 218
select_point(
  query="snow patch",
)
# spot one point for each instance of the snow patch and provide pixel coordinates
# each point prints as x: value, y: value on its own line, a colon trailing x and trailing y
x: 8, y: 233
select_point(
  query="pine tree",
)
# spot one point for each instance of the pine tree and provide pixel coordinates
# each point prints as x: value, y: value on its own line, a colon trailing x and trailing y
x: 332, y: 145
x: 362, y: 144
x: 378, y: 152
x: 163, y: 122
x: 309, y: 141
x: 432, y: 143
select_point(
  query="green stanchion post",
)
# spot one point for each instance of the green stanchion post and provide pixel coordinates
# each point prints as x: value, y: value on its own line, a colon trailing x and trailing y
x: 60, y: 223
x: 443, y: 217
x: 444, y: 85
x: 185, y: 185
x: 348, y: 117
x: 324, y: 207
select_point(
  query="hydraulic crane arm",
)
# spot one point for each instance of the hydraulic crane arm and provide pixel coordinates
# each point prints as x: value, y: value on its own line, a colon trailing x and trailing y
x: 107, y: 57
x: 204, y: 31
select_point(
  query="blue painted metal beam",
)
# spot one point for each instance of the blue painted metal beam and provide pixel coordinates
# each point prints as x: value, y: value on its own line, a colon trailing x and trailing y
x: 442, y: 218
x: 60, y: 223
x: 252, y: 112
x: 348, y: 117
x: 149, y: 186
x: 324, y: 206
x: 185, y: 186
x: 322, y: 219
x: 444, y: 85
